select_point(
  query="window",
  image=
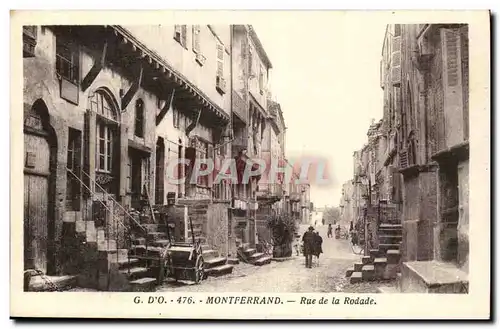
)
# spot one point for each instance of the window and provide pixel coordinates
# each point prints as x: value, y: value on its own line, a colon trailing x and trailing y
x: 261, y: 80
x: 139, y: 118
x: 250, y: 61
x: 196, y: 39
x: 29, y: 40
x: 104, y: 147
x: 107, y: 123
x: 220, y: 60
x: 67, y: 59
x: 397, y: 30
x: 180, y: 35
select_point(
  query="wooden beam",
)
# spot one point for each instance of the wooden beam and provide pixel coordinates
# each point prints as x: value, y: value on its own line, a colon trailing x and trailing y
x: 95, y: 69
x: 193, y: 124
x: 132, y: 91
x: 166, y: 107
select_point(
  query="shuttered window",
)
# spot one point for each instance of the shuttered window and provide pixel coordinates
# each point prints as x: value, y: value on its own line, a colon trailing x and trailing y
x: 196, y: 39
x: 180, y: 34
x: 220, y: 60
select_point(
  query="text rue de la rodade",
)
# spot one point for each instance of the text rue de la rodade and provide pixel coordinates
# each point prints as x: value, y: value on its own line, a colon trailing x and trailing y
x: 303, y: 300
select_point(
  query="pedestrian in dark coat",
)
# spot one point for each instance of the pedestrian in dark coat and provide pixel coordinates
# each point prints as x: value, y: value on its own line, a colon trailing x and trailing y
x: 308, y: 240
x: 318, y: 245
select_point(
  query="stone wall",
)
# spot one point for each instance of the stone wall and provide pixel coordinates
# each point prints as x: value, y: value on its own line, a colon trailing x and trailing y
x: 217, y: 227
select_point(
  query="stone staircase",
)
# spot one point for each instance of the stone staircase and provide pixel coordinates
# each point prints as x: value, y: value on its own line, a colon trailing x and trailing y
x: 382, y: 263
x: 98, y: 261
x: 251, y: 256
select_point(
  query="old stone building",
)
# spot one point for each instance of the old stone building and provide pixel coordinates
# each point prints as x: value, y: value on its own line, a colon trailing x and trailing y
x: 90, y: 108
x: 429, y: 74
x: 192, y: 123
x: 250, y: 71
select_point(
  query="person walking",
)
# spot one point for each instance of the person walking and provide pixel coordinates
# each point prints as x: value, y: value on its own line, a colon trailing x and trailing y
x: 330, y: 230
x: 308, y: 240
x: 318, y: 245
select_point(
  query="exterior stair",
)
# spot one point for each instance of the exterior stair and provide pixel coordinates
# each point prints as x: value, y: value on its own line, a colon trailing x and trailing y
x: 215, y: 265
x: 251, y: 256
x: 382, y: 263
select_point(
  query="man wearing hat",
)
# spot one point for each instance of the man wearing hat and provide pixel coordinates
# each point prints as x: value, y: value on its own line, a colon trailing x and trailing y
x: 308, y: 240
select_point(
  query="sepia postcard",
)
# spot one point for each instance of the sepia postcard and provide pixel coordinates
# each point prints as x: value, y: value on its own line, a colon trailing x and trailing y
x: 250, y: 165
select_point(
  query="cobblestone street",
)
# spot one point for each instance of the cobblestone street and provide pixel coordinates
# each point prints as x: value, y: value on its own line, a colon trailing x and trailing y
x: 290, y: 275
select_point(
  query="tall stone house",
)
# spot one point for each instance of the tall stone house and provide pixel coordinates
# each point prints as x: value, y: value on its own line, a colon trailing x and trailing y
x: 429, y: 75
x: 90, y: 103
x: 107, y: 110
x: 250, y: 71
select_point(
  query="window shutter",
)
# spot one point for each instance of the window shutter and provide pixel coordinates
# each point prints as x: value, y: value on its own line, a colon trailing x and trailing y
x: 210, y: 155
x: 129, y: 175
x: 86, y: 156
x: 177, y: 33
x: 220, y: 60
x: 452, y: 86
x: 196, y: 38
x: 184, y: 35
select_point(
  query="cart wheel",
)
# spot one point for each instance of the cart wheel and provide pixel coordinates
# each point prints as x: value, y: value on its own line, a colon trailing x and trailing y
x: 199, y: 270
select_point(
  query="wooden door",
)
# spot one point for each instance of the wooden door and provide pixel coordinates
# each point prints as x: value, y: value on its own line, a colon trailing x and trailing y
x: 36, y: 201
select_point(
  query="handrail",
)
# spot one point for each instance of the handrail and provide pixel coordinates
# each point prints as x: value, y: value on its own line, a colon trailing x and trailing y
x: 110, y: 197
x: 88, y: 188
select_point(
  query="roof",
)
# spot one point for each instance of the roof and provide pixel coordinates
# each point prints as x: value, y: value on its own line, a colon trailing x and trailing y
x: 259, y: 47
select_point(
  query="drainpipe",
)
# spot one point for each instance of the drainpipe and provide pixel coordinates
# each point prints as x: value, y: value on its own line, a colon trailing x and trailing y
x: 231, y: 190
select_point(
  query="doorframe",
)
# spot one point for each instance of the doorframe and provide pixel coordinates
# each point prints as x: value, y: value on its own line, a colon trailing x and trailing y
x: 49, y: 134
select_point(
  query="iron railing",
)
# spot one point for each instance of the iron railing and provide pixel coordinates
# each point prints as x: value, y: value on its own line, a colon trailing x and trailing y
x: 109, y: 222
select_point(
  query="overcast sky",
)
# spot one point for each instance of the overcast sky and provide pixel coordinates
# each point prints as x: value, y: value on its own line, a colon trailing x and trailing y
x: 326, y: 77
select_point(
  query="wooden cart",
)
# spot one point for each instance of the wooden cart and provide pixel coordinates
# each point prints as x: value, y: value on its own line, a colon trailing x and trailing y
x: 183, y: 260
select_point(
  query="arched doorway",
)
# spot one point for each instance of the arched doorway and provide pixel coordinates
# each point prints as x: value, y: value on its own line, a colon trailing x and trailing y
x: 39, y: 166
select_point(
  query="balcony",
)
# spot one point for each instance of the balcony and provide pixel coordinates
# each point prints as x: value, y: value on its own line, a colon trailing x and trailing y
x: 270, y: 193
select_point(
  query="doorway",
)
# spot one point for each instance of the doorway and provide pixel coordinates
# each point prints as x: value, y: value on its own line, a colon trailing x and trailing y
x: 39, y: 166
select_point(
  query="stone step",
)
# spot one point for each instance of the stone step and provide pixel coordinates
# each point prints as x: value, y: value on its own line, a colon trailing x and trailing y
x: 390, y: 231
x: 256, y: 256
x: 263, y: 261
x: 143, y: 284
x: 384, y: 247
x: 249, y: 252
x: 393, y: 256
x: 349, y: 272
x: 368, y: 272
x: 220, y: 270
x: 135, y: 273
x: 139, y: 241
x: 389, y: 226
x: 356, y: 277
x: 72, y: 216
x: 358, y: 267
x: 197, y: 231
x: 390, y: 239
x: 160, y: 243
x: 366, y: 260
x: 380, y: 265
x: 233, y: 261
x: 106, y: 245
x: 141, y: 250
x: 153, y: 236
x: 374, y: 253
x: 124, y: 263
x: 209, y: 254
x: 215, y: 262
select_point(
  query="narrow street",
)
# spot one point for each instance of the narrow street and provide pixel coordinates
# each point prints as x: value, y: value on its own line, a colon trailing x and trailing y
x: 289, y: 276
